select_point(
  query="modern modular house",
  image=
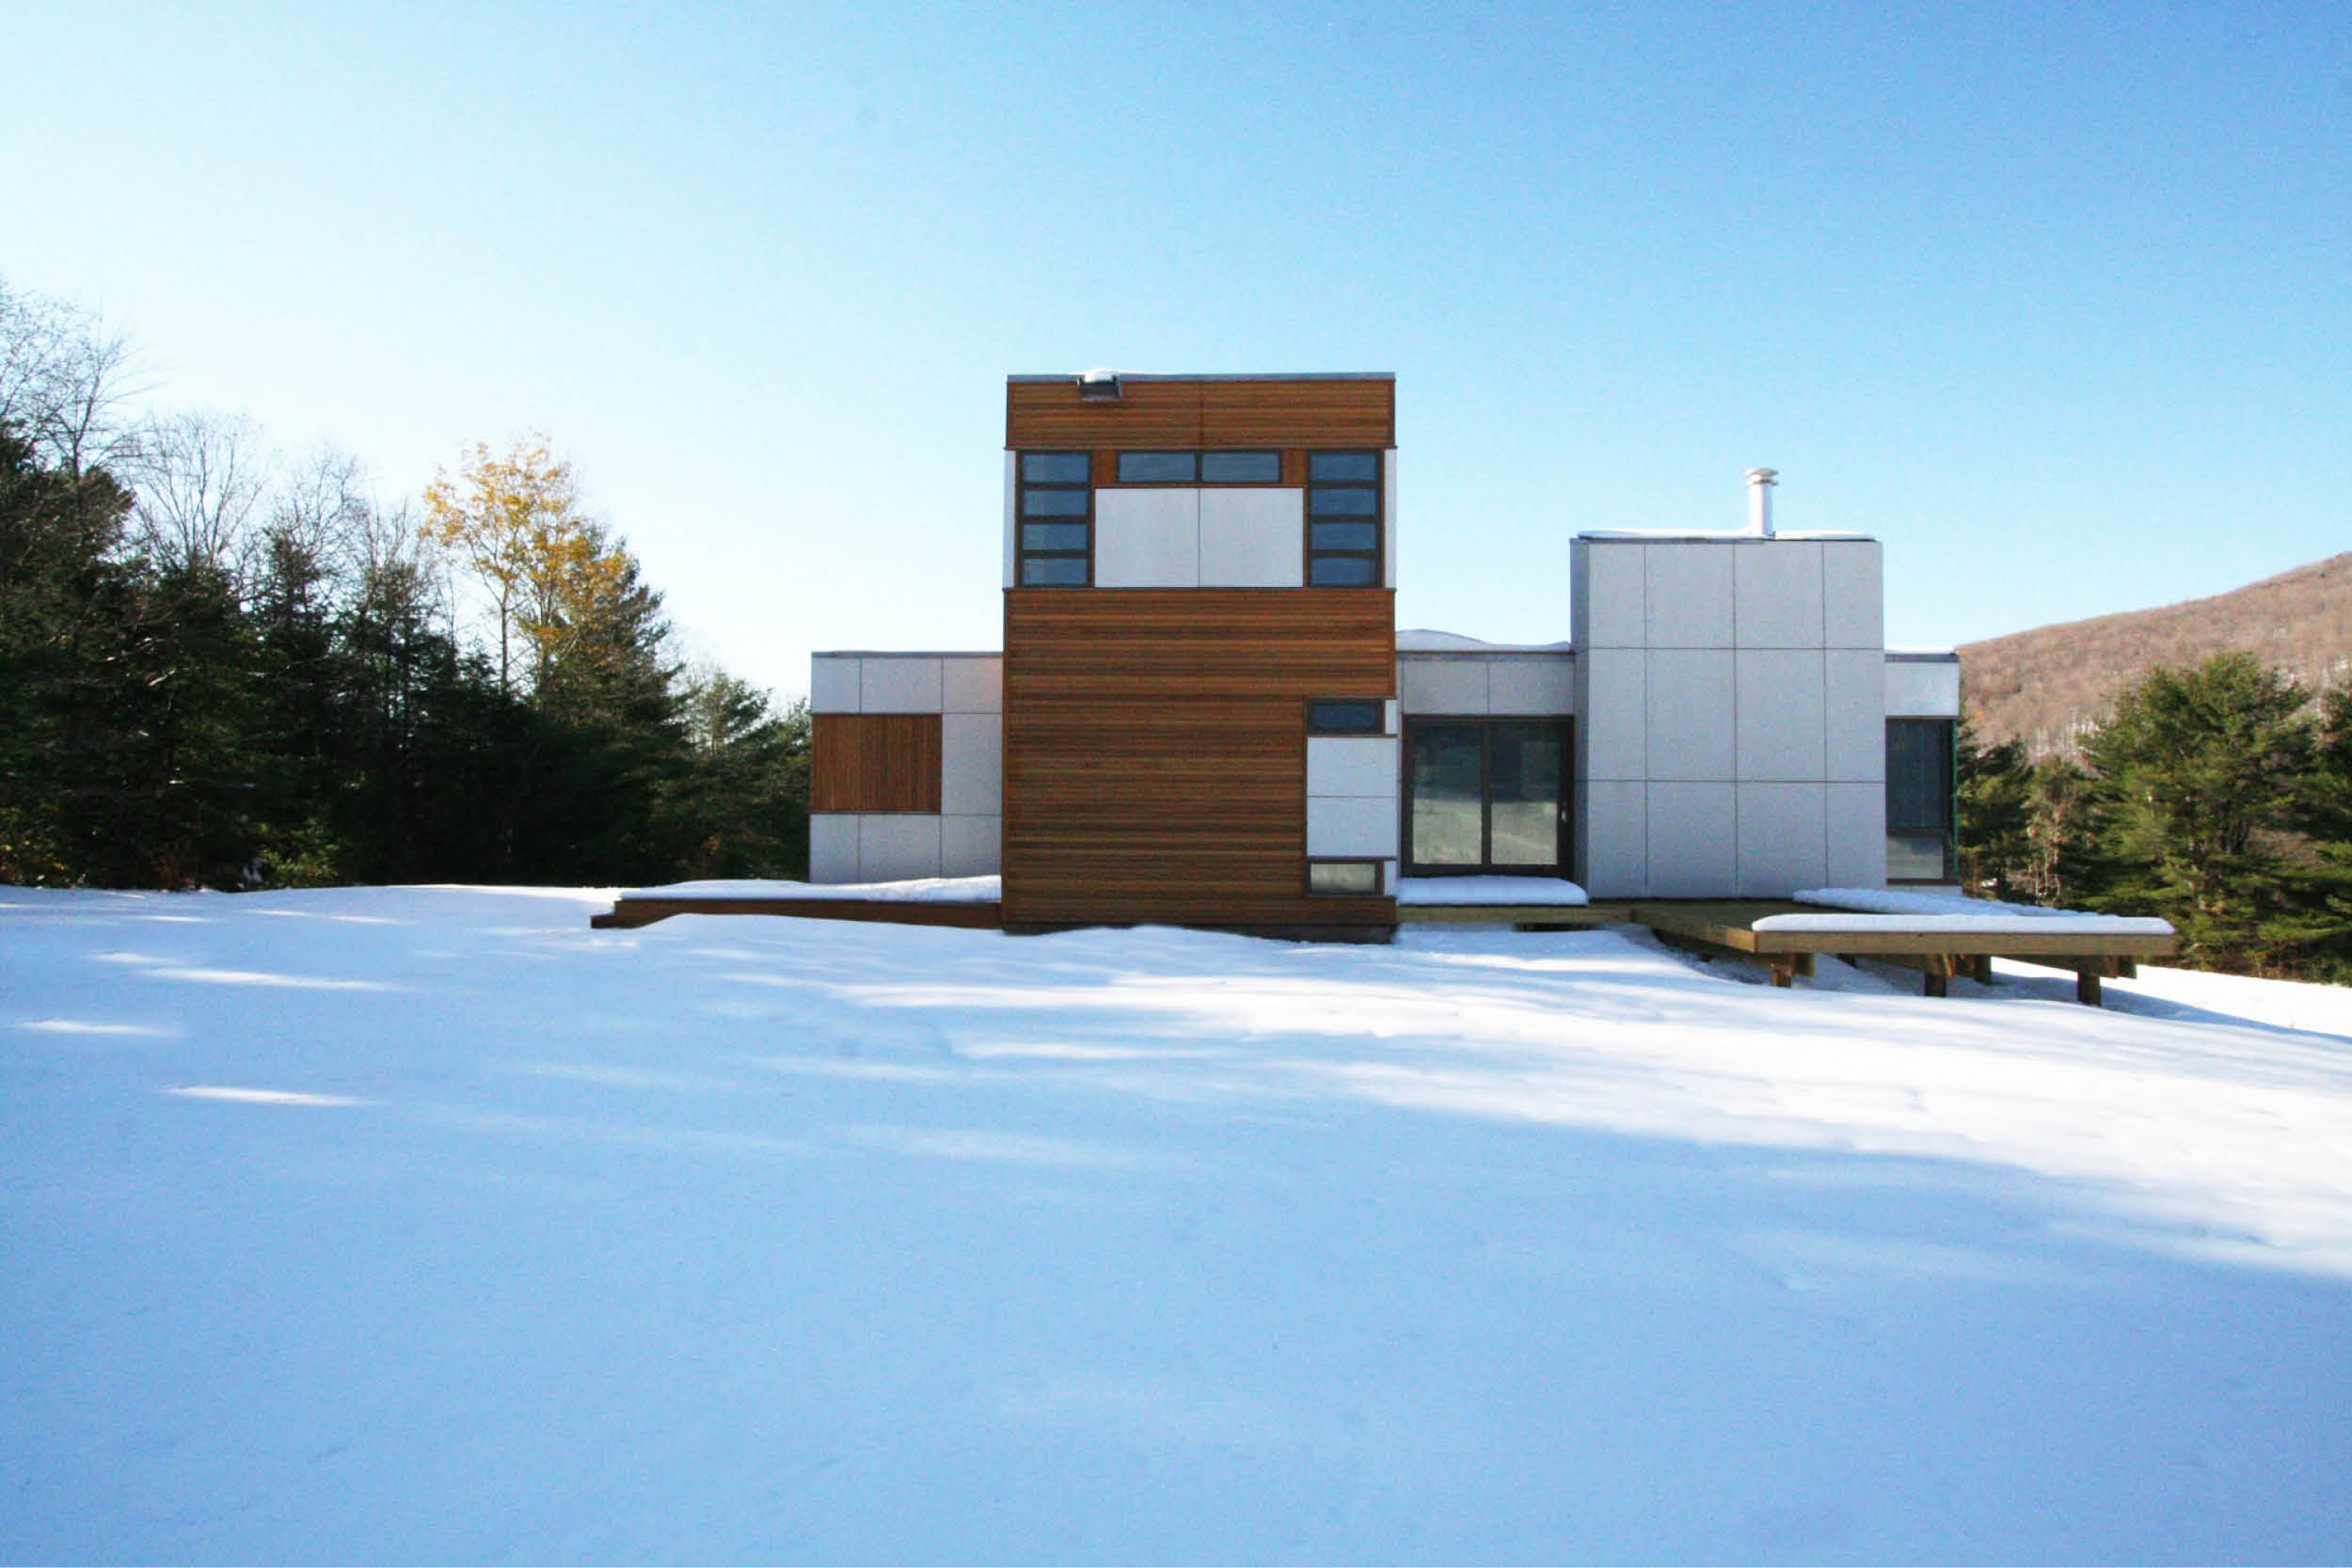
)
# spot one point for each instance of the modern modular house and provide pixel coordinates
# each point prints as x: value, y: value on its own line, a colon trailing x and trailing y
x: 1203, y: 713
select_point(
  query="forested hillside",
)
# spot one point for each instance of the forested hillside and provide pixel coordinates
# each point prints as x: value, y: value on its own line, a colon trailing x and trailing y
x: 2046, y: 686
x: 221, y: 668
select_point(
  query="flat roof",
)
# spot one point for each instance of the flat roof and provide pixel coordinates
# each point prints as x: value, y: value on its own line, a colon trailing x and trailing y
x: 1208, y: 375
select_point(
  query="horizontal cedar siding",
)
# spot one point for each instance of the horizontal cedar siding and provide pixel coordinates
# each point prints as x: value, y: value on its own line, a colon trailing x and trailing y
x: 874, y: 762
x: 1156, y: 750
x: 1188, y: 415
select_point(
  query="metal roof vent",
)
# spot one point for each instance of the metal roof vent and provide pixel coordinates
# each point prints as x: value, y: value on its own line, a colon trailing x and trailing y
x: 1098, y: 386
x: 1760, y: 483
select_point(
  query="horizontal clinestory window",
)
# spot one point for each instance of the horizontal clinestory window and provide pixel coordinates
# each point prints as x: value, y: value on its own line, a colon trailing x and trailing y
x: 1199, y: 467
x: 1337, y: 879
x: 1054, y: 517
x: 1348, y: 716
x: 1344, y: 509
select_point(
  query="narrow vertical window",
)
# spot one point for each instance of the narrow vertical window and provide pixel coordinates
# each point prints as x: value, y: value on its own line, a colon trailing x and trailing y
x: 1343, y: 548
x: 1056, y: 519
x: 1919, y: 788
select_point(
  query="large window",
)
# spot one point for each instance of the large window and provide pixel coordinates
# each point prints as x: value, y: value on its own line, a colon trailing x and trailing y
x: 1486, y: 795
x: 1199, y: 467
x: 1344, y: 519
x: 1919, y: 789
x: 1056, y: 519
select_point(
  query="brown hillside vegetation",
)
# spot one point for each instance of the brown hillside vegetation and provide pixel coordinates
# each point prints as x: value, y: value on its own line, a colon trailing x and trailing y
x: 2046, y: 685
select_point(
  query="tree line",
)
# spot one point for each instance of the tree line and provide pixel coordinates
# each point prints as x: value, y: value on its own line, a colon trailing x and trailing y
x: 2219, y: 796
x: 221, y: 670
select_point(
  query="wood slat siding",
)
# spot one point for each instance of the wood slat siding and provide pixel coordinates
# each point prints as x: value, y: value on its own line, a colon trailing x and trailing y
x: 1156, y: 750
x: 1188, y: 414
x: 873, y: 762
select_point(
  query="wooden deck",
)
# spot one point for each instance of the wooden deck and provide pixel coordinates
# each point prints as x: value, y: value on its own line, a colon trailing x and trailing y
x: 1716, y: 925
x: 1729, y: 925
x: 629, y: 912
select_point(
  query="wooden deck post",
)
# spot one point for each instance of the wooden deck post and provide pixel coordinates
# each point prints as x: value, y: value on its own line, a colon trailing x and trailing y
x: 2086, y: 987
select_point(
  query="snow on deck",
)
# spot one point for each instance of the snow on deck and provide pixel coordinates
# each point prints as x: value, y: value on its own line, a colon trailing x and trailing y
x: 1902, y: 909
x: 427, y: 1224
x: 922, y: 890
x: 1500, y: 891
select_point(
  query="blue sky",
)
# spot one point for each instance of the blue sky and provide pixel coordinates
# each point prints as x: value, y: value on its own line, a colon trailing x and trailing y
x: 2055, y: 299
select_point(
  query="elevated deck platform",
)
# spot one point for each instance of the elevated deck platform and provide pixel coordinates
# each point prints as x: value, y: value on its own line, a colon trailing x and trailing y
x: 1937, y: 945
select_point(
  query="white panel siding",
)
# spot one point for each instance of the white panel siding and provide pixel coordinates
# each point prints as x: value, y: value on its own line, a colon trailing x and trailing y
x: 1610, y: 706
x: 1782, y: 843
x: 1012, y: 522
x: 1541, y: 687
x: 1686, y: 714
x: 1441, y: 685
x: 1856, y: 825
x: 892, y: 847
x: 1613, y: 838
x: 1693, y: 832
x: 1252, y: 538
x: 832, y: 683
x: 899, y: 686
x: 1916, y: 689
x: 1852, y: 593
x: 1388, y: 518
x: 1687, y: 587
x: 1352, y: 765
x: 970, y: 846
x: 971, y: 764
x: 1614, y: 593
x: 1351, y: 827
x: 972, y: 682
x: 1777, y: 593
x: 833, y: 846
x: 1147, y: 538
x: 1854, y: 697
x: 1781, y: 729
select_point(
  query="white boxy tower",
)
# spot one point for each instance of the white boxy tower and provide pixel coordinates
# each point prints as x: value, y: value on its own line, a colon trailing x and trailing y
x: 1731, y: 697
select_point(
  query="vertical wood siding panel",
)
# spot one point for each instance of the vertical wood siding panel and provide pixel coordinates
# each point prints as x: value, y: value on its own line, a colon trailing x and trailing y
x: 874, y: 762
x: 1155, y: 749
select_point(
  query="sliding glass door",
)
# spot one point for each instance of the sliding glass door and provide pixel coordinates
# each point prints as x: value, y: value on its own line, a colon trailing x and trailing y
x: 1486, y: 795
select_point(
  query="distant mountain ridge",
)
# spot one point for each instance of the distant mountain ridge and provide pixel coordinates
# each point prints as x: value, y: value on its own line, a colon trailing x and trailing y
x: 2048, y: 684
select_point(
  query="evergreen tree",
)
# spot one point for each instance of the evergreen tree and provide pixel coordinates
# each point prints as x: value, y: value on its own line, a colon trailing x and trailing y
x: 1995, y: 816
x: 2197, y: 777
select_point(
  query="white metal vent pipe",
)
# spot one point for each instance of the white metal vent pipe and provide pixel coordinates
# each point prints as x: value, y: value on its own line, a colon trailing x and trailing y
x: 1760, y: 483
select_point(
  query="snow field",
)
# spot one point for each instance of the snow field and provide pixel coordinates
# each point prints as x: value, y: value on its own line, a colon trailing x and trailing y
x: 427, y: 1224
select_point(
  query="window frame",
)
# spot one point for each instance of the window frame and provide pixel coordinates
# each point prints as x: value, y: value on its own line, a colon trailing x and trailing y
x: 1949, y: 828
x: 1379, y: 730
x: 1200, y: 480
x: 1376, y: 487
x: 1308, y: 876
x: 1562, y: 867
x: 1022, y: 484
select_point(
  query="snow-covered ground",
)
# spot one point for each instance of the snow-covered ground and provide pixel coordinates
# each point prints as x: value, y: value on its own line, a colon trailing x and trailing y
x: 428, y: 1224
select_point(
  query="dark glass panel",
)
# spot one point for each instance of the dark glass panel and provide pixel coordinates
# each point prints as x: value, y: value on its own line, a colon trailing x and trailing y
x: 1054, y: 571
x: 1447, y: 789
x: 1343, y: 876
x: 1344, y: 465
x: 1344, y: 503
x: 1344, y: 571
x: 1241, y: 467
x: 1054, y: 536
x: 1915, y: 857
x: 1346, y: 718
x: 1057, y: 467
x: 1157, y: 468
x: 1053, y: 503
x: 1524, y: 772
x: 1919, y: 775
x: 1344, y: 536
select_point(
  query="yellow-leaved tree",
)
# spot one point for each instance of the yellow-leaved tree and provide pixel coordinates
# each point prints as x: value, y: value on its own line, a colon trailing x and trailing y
x: 511, y: 519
